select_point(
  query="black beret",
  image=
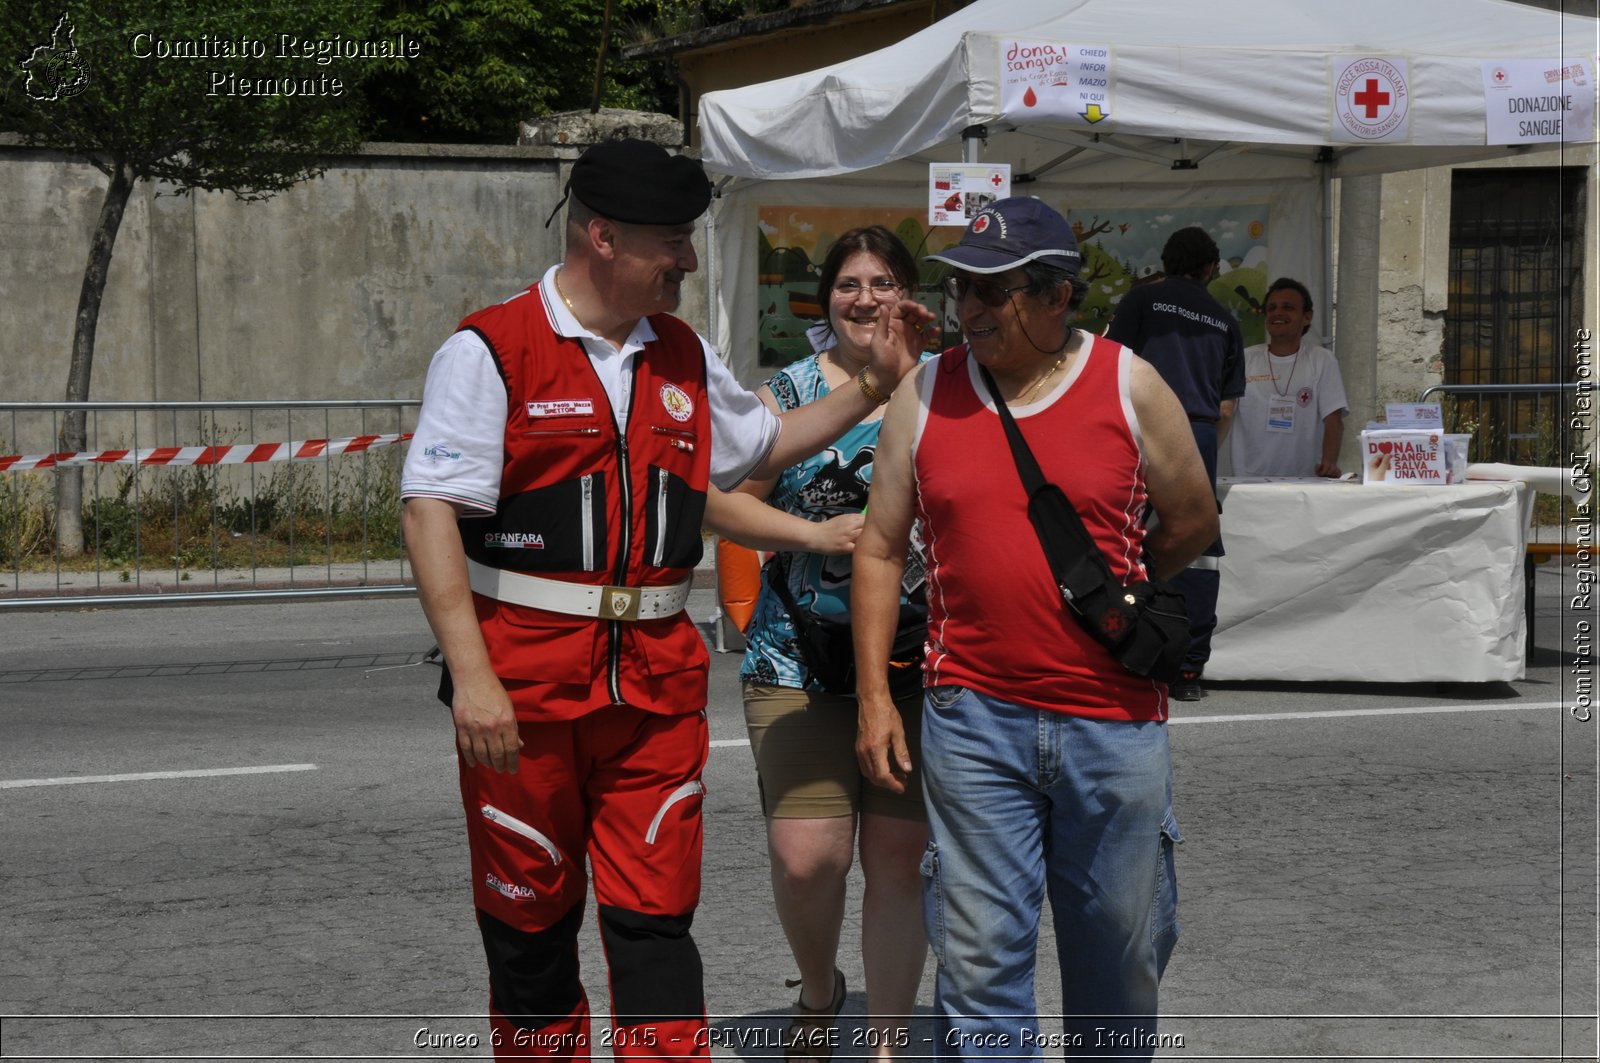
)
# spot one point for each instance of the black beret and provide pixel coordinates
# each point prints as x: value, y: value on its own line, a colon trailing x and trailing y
x: 636, y: 181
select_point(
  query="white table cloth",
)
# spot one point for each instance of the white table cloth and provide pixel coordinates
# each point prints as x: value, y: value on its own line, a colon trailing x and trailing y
x: 1327, y: 580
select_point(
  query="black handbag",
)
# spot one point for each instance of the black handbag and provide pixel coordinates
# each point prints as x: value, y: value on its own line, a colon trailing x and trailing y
x: 1144, y: 625
x: 828, y: 647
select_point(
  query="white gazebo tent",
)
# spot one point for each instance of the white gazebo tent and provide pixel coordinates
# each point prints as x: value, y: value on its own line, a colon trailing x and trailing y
x: 1205, y: 103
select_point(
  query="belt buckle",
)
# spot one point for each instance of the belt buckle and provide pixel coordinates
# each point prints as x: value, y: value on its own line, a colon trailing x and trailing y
x: 620, y: 603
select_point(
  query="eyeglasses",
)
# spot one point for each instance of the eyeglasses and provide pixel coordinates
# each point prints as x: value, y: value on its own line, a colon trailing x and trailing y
x: 882, y: 290
x: 988, y: 292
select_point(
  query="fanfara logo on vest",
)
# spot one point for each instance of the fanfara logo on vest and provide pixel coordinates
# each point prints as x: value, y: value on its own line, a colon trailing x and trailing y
x: 678, y: 405
x: 514, y: 540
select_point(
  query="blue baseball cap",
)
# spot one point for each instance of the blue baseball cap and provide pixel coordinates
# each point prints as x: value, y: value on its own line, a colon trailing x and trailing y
x: 1010, y: 232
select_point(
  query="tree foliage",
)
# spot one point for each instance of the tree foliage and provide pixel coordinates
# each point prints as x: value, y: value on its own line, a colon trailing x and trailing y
x: 486, y: 64
x: 162, y: 117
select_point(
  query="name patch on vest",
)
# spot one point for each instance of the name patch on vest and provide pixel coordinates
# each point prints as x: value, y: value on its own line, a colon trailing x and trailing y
x: 562, y: 408
x: 677, y: 403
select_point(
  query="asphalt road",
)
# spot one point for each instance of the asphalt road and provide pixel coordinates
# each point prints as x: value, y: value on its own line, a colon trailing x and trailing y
x: 1384, y: 872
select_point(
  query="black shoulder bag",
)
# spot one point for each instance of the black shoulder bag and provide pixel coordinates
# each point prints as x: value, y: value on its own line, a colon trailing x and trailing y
x: 1144, y: 625
x: 828, y: 648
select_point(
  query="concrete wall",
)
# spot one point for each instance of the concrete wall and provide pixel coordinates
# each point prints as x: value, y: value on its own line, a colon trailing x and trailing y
x: 343, y: 286
x: 338, y: 288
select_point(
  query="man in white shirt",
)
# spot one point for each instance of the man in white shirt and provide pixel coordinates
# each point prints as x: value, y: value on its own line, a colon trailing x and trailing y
x: 1290, y: 421
x: 553, y: 500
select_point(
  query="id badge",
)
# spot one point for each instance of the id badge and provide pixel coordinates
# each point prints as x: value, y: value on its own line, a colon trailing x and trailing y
x: 1280, y: 415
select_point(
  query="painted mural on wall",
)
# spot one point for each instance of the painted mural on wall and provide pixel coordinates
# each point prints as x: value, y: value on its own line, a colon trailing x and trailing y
x: 793, y: 241
x: 1121, y: 246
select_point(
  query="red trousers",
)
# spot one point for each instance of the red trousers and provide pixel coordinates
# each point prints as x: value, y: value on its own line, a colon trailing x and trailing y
x: 621, y: 787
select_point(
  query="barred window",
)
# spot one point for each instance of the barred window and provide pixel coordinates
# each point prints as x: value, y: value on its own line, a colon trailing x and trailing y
x: 1515, y: 260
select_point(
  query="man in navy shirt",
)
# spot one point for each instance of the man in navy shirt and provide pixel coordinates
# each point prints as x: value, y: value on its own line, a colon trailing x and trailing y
x: 1195, y: 344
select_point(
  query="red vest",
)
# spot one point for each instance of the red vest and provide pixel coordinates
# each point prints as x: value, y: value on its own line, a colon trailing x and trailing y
x: 581, y: 503
x: 996, y: 622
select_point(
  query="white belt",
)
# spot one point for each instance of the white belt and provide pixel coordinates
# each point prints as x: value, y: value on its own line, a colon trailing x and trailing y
x: 578, y: 599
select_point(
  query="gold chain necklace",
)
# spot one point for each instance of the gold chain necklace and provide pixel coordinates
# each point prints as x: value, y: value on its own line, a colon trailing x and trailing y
x: 1048, y: 373
x: 563, y: 295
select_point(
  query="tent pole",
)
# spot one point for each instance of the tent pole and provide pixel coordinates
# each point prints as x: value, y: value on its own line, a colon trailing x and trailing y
x: 1356, y: 330
x: 712, y: 280
x: 1325, y: 159
x: 972, y: 139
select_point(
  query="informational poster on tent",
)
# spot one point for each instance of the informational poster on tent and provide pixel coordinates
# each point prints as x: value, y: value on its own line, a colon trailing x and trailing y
x: 1073, y: 83
x: 1371, y: 100
x: 957, y: 191
x: 1538, y: 101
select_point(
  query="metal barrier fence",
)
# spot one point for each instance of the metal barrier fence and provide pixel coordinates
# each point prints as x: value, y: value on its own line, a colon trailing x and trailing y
x: 204, y: 501
x: 1523, y: 424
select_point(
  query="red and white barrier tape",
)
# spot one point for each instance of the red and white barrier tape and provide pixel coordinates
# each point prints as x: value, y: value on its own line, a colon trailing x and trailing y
x: 235, y: 454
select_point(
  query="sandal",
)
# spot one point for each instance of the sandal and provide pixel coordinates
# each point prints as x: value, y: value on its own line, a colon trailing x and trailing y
x: 811, y: 1030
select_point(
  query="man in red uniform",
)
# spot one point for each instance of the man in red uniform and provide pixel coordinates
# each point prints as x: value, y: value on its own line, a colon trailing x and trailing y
x: 553, y: 500
x: 1045, y: 762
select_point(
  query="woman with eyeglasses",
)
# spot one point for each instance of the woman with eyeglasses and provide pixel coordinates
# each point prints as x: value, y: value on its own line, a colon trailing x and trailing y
x: 816, y: 803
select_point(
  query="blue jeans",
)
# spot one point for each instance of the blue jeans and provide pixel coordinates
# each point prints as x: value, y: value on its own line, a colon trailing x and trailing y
x: 1022, y: 801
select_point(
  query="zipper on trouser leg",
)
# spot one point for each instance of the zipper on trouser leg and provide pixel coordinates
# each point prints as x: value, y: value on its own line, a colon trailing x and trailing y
x: 516, y: 826
x: 687, y: 790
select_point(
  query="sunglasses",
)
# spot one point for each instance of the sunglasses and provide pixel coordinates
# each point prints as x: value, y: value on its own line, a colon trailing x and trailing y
x: 988, y: 292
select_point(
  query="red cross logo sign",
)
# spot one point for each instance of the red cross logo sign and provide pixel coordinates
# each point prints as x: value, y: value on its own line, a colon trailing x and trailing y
x: 996, y: 180
x: 1371, y: 101
x: 1371, y: 98
x: 980, y: 223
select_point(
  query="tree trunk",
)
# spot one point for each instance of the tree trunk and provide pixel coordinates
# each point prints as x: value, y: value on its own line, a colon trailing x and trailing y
x: 600, y: 60
x: 69, y: 481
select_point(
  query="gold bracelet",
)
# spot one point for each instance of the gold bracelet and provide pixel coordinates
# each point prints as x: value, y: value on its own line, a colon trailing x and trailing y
x: 878, y: 398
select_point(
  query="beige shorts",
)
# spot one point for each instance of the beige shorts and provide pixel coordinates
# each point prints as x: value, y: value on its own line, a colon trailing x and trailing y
x: 805, y: 749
